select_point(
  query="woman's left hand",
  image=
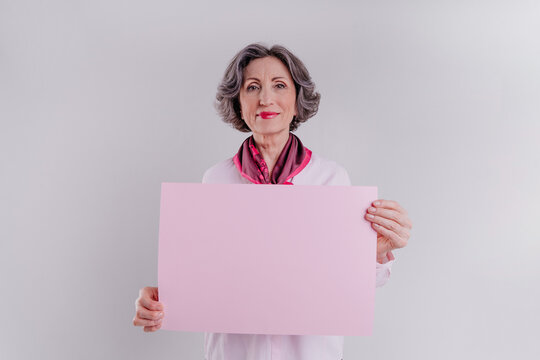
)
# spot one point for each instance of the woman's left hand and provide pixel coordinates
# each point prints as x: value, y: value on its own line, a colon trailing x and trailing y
x: 392, y: 225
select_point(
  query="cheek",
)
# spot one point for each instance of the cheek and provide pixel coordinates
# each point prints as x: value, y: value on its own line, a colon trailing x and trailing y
x: 246, y: 105
x: 292, y: 102
x: 292, y: 106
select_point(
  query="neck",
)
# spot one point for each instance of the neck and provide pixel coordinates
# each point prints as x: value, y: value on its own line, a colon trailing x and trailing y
x: 270, y: 147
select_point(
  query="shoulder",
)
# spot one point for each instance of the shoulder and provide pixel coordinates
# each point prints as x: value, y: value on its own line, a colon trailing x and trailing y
x: 322, y: 171
x: 224, y: 172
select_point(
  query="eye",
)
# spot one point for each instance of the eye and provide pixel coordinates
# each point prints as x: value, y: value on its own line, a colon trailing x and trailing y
x: 251, y: 87
x: 281, y: 86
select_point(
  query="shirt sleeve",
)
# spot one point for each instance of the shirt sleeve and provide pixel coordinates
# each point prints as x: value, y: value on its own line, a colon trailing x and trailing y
x: 383, y: 271
x: 340, y: 176
x: 205, y: 177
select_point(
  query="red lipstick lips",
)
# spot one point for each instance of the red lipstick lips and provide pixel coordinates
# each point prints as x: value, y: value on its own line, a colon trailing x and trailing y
x: 268, y: 114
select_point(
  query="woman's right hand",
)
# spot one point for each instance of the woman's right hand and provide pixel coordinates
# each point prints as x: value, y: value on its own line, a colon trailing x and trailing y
x: 148, y: 309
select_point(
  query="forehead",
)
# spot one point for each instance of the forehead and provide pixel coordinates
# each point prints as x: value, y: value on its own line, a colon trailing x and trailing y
x: 269, y: 67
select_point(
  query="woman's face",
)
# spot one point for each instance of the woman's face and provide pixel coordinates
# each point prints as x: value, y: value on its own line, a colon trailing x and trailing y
x: 267, y: 96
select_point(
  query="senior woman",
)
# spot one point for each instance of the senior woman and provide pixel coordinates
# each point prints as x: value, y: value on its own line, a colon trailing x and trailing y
x: 269, y: 92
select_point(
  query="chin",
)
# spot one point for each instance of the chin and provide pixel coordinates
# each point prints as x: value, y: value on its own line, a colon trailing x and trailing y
x: 271, y: 130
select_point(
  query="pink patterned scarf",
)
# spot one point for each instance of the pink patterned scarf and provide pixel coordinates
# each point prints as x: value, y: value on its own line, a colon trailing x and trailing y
x: 293, y: 158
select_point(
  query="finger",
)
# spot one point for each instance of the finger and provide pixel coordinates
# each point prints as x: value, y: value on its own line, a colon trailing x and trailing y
x: 150, y: 292
x: 144, y: 322
x: 148, y: 297
x: 396, y: 240
x: 394, y: 215
x: 144, y: 313
x: 152, y: 328
x: 388, y: 204
x: 150, y: 304
x: 391, y: 225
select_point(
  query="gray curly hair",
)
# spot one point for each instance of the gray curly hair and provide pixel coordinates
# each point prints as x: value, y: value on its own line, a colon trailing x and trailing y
x: 228, y: 94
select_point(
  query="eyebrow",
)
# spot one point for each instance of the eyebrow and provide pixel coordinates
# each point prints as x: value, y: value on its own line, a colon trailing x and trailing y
x: 275, y: 78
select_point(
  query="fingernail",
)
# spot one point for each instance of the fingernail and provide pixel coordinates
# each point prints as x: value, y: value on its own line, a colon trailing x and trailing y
x: 372, y: 209
x: 370, y: 216
x: 159, y: 321
x: 377, y: 203
x: 160, y: 315
x: 376, y: 225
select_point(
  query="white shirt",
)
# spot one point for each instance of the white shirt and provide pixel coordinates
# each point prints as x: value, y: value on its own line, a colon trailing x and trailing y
x: 218, y: 346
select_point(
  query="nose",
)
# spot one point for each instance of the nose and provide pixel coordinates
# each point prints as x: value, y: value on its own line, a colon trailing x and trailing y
x: 265, y: 97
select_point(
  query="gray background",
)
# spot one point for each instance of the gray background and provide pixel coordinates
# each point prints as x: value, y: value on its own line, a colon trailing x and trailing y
x: 435, y: 102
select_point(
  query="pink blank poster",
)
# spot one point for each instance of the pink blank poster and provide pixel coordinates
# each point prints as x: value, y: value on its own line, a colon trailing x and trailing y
x: 267, y: 259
